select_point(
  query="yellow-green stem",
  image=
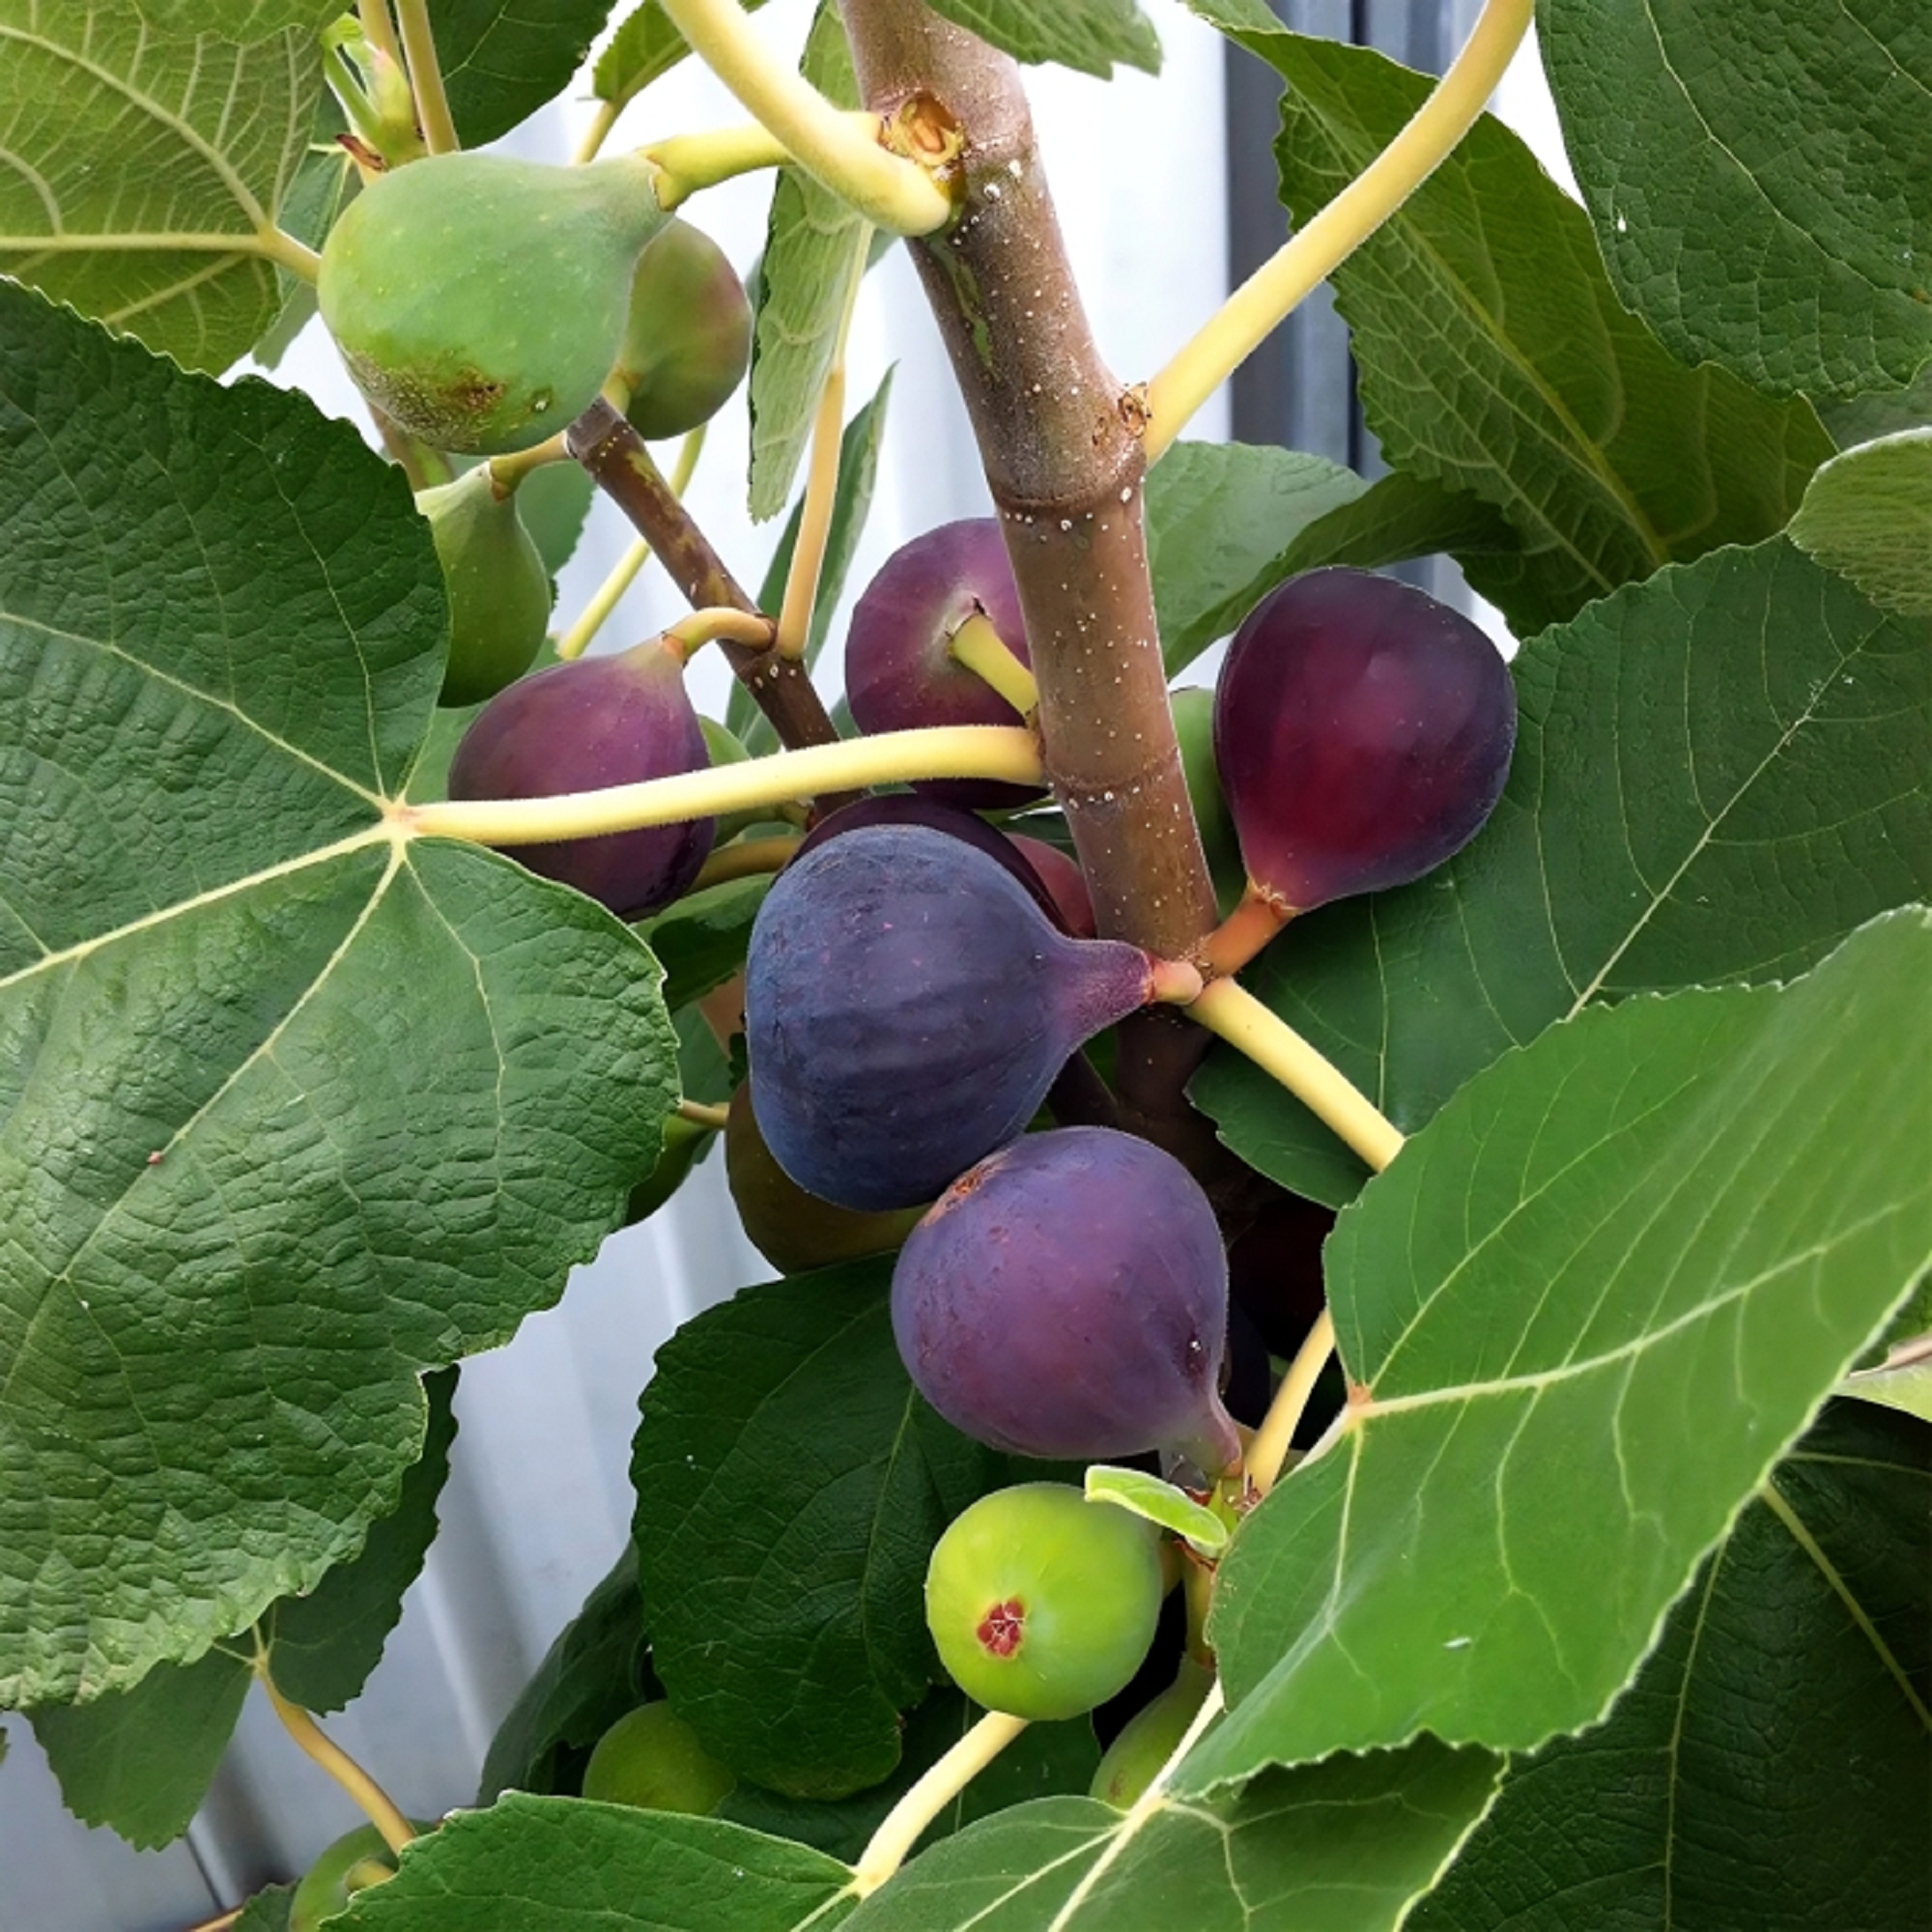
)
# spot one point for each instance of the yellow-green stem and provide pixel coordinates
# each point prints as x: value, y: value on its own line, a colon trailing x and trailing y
x: 426, y: 77
x: 369, y: 1796
x: 929, y: 1798
x: 718, y: 620
x: 702, y: 1113
x: 1330, y: 237
x: 379, y: 29
x: 1006, y: 751
x: 746, y: 859
x: 1269, y: 1450
x: 689, y: 162
x: 821, y: 483
x: 1228, y: 1009
x: 824, y: 140
x: 599, y: 131
x: 507, y: 472
x: 284, y: 250
x: 983, y: 650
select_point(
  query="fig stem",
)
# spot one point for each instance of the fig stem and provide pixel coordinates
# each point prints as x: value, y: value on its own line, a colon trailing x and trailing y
x: 591, y: 619
x: 702, y: 1113
x: 821, y: 482
x: 1249, y: 927
x: 1330, y: 237
x: 746, y: 859
x: 1269, y: 1450
x: 426, y: 76
x: 1154, y: 1799
x: 1005, y: 752
x: 718, y: 620
x: 378, y: 27
x: 221, y: 1920
x: 370, y: 1798
x: 507, y: 472
x: 276, y: 243
x: 1228, y: 1009
x: 980, y: 648
x: 824, y: 140
x: 929, y: 1798
x: 599, y: 130
x: 689, y: 162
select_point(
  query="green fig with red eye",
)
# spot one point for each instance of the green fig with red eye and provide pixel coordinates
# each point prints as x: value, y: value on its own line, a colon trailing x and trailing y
x: 688, y: 338
x: 480, y: 300
x: 1042, y: 1604
x: 499, y: 590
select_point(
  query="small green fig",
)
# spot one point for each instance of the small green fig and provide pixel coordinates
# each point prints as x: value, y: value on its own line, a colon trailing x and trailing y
x: 353, y: 1862
x: 651, y: 1758
x: 480, y: 300
x: 1042, y: 1604
x: 1148, y: 1738
x: 498, y: 589
x: 688, y: 340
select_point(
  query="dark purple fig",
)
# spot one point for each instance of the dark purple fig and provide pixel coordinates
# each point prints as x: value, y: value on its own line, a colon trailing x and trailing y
x: 688, y: 339
x: 1067, y: 1298
x: 900, y: 670
x: 907, y: 1006
x: 793, y: 1229
x: 580, y: 726
x: 1362, y: 732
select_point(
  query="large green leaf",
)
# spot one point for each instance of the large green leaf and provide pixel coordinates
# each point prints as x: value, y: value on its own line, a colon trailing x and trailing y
x: 1583, y: 1314
x: 1495, y: 358
x: 1087, y: 34
x: 1771, y: 1764
x: 133, y: 189
x: 1718, y: 775
x: 1755, y: 171
x: 814, y: 246
x: 1344, y: 1846
x: 646, y: 46
x: 1867, y: 514
x: 502, y: 60
x: 564, y: 1865
x: 790, y: 1486
x: 285, y: 1121
x: 1219, y: 518
x: 141, y: 1760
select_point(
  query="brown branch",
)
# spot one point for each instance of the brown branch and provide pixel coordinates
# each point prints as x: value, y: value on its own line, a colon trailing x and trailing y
x: 1060, y: 439
x: 614, y: 454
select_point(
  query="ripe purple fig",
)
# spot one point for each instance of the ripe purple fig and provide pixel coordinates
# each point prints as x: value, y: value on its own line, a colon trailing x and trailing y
x: 899, y: 669
x: 1067, y: 1298
x: 580, y: 726
x: 1362, y: 732
x: 907, y: 1005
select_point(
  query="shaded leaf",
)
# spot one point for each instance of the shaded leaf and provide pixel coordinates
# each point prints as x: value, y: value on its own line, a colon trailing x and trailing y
x: 1219, y: 519
x: 1907, y: 1386
x: 133, y: 189
x: 1867, y: 515
x: 571, y: 1866
x: 701, y: 940
x: 502, y: 61
x: 1753, y: 170
x: 1770, y: 1765
x: 1087, y: 35
x: 1583, y: 1314
x: 646, y: 46
x: 790, y: 1486
x: 1495, y: 359
x: 1855, y: 420
x: 284, y: 1118
x: 594, y: 1673
x: 859, y: 447
x: 555, y: 502
x: 323, y: 185
x: 267, y: 1911
x: 814, y: 246
x: 1718, y: 775
x: 1338, y: 1847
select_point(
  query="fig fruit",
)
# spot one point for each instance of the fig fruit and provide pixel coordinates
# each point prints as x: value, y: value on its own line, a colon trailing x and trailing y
x: 1067, y: 1298
x: 1362, y: 732
x: 651, y: 1758
x: 907, y: 1006
x: 1042, y: 1604
x: 1149, y: 1737
x: 498, y: 589
x: 900, y: 670
x: 353, y: 1863
x: 580, y: 726
x: 480, y: 300
x: 687, y: 335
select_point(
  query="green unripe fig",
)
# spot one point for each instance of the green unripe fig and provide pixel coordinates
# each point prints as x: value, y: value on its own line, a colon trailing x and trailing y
x: 480, y: 300
x: 1042, y: 1604
x: 688, y: 340
x: 498, y: 589
x: 650, y: 1757
x: 793, y: 1229
x: 1194, y: 727
x: 355, y: 1862
x: 1149, y: 1736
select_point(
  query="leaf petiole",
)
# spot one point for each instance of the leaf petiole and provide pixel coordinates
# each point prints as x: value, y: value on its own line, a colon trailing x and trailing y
x: 929, y: 1798
x: 982, y: 649
x: 372, y: 1800
x: 426, y: 76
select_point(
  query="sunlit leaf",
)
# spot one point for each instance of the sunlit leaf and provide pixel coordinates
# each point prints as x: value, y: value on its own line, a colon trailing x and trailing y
x: 1867, y: 515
